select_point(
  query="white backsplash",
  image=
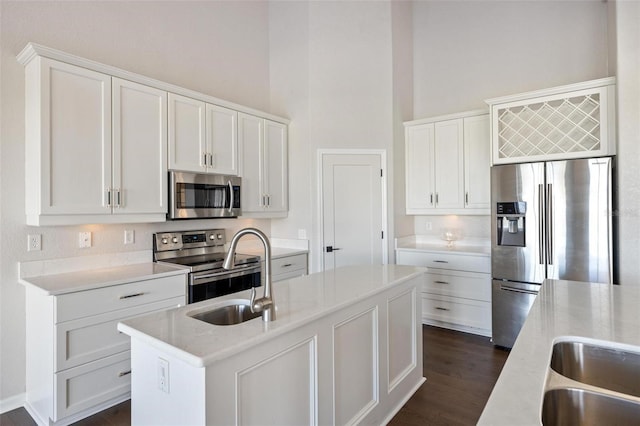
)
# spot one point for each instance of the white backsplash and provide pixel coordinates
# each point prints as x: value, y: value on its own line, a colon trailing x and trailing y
x: 468, y: 227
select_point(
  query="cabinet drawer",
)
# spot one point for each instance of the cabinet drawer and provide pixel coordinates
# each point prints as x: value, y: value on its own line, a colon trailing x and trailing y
x: 464, y: 312
x: 284, y: 265
x: 288, y: 275
x: 92, y: 302
x: 90, y: 384
x: 91, y: 338
x: 459, y: 262
x: 468, y: 285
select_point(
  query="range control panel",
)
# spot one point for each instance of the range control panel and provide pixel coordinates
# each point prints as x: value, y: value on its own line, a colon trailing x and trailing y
x: 188, y: 239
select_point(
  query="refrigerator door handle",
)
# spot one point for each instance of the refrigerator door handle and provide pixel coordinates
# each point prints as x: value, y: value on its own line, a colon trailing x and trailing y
x: 517, y: 290
x: 550, y: 224
x: 540, y: 223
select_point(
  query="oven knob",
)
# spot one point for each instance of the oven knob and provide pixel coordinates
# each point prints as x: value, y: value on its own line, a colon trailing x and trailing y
x: 164, y: 241
x: 174, y: 240
x: 212, y: 237
x: 219, y: 236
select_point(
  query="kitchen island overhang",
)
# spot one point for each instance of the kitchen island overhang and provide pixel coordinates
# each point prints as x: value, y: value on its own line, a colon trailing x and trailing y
x: 346, y: 348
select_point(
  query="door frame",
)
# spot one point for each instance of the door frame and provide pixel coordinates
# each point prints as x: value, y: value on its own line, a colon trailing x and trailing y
x: 382, y: 153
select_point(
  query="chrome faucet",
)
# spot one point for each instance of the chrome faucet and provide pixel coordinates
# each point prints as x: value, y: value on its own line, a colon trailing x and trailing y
x: 265, y: 304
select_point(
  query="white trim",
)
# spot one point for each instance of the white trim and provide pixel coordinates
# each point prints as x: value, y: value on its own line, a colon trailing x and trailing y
x: 608, y: 81
x: 33, y: 50
x: 13, y: 402
x: 382, y: 153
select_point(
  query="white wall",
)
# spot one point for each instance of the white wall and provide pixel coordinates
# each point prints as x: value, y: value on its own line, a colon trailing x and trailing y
x: 628, y: 84
x: 469, y: 51
x: 335, y: 82
x: 218, y: 48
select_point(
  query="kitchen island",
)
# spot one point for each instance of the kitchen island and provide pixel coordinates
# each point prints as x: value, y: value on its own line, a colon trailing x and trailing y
x: 600, y: 314
x: 345, y: 348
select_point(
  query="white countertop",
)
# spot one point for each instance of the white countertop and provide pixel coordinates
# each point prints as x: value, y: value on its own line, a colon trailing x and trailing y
x: 69, y: 282
x: 298, y: 301
x: 562, y: 308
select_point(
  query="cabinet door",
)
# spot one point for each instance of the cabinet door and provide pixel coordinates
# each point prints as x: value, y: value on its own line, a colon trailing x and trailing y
x: 222, y: 140
x: 449, y: 158
x: 72, y: 110
x: 139, y: 148
x: 419, y: 159
x: 187, y: 141
x: 250, y: 138
x: 275, y: 166
x: 477, y: 162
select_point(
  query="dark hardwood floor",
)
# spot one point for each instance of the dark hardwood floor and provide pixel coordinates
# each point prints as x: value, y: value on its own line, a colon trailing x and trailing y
x: 460, y: 368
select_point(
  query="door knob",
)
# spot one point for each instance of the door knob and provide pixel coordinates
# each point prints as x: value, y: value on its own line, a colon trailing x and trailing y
x: 331, y: 249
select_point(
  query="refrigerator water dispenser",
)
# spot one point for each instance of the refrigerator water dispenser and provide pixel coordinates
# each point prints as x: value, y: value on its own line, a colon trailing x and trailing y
x: 511, y: 223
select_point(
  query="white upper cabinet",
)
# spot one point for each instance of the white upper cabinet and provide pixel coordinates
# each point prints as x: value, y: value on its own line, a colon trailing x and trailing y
x: 139, y: 149
x: 99, y: 141
x: 477, y: 176
x: 202, y: 137
x: 447, y: 164
x: 264, y: 166
x: 573, y: 121
x: 187, y: 144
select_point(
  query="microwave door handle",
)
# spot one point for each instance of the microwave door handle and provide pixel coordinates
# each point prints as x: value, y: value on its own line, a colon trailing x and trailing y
x: 231, y: 200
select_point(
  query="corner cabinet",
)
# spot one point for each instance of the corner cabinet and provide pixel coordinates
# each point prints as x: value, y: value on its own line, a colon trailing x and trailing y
x: 96, y: 147
x: 447, y: 164
x: 265, y: 183
x: 573, y: 121
x: 202, y: 137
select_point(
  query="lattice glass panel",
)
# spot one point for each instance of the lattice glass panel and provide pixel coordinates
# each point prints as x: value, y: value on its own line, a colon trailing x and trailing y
x: 557, y: 126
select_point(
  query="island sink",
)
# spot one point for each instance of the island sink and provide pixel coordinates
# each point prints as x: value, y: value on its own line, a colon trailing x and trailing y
x: 566, y: 406
x: 228, y: 315
x: 605, y: 367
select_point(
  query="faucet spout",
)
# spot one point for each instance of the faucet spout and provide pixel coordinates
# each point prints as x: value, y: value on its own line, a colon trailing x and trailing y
x: 266, y: 303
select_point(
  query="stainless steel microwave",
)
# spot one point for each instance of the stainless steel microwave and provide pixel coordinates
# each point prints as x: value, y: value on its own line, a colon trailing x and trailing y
x: 203, y: 196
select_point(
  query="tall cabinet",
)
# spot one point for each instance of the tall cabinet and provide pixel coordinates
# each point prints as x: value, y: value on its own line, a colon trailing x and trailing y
x: 264, y: 166
x: 447, y: 164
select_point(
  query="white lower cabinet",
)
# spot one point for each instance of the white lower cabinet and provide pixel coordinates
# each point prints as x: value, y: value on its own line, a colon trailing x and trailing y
x: 457, y: 292
x: 283, y: 268
x: 78, y: 363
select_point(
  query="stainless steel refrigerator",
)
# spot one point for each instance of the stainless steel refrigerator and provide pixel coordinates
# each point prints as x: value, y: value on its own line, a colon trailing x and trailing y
x: 549, y: 220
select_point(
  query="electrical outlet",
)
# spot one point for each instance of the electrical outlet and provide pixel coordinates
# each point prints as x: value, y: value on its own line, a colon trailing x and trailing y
x: 84, y: 239
x: 428, y: 226
x: 129, y: 236
x: 34, y: 242
x: 302, y: 234
x: 163, y: 375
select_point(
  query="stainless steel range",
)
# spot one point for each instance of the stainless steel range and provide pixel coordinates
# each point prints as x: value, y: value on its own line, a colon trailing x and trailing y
x: 203, y: 253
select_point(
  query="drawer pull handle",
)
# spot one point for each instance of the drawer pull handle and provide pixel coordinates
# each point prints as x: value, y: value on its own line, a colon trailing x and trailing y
x: 441, y: 309
x: 131, y: 295
x: 440, y: 261
x: 124, y: 373
x: 286, y: 265
x: 441, y: 282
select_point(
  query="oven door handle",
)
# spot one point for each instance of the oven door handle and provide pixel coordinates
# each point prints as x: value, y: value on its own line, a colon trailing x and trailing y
x: 217, y: 276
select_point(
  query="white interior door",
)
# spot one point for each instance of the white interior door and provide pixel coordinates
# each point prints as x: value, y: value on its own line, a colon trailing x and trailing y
x: 353, y: 210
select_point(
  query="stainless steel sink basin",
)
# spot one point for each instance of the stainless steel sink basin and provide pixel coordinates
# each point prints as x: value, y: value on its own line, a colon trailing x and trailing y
x: 566, y: 406
x: 228, y: 315
x: 605, y: 367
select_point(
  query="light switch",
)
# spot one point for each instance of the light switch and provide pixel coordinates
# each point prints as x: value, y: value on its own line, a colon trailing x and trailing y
x: 129, y: 236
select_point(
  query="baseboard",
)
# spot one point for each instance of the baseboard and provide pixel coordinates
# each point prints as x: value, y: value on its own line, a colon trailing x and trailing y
x: 12, y: 402
x: 457, y: 327
x: 402, y: 402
